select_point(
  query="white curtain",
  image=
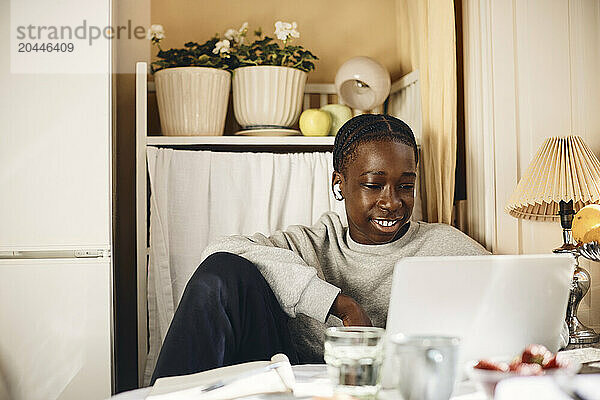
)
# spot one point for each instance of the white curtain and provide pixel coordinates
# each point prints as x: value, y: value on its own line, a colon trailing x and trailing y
x: 197, y: 196
x: 405, y: 104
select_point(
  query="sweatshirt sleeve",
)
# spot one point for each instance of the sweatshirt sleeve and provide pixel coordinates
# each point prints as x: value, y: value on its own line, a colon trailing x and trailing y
x: 295, y: 284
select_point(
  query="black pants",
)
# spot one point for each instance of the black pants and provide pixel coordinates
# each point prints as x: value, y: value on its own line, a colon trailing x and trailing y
x: 228, y: 314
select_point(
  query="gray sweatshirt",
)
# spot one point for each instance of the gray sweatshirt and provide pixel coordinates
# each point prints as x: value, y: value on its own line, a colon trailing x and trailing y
x: 307, y: 267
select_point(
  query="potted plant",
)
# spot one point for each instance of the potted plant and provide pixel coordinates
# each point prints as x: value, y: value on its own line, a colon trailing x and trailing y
x: 268, y: 79
x: 192, y: 86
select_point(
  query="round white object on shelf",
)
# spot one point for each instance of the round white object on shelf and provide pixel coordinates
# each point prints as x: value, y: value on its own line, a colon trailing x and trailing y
x: 362, y: 83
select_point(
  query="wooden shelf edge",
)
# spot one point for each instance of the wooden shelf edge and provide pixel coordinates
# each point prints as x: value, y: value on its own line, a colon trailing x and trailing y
x: 240, y: 140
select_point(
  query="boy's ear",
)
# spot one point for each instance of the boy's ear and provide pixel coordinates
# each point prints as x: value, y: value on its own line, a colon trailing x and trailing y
x: 337, y: 179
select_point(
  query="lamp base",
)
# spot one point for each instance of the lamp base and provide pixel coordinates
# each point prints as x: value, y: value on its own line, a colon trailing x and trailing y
x: 581, y: 334
x: 565, y: 248
x: 578, y: 333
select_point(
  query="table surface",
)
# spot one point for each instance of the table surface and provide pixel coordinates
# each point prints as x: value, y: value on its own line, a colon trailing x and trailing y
x: 317, y: 375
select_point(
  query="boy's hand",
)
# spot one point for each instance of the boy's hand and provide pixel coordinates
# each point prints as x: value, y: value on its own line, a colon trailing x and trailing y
x: 349, y: 311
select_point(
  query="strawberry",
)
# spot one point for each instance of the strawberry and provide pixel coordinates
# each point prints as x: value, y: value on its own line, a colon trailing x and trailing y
x: 554, y: 363
x: 514, y: 364
x: 491, y: 366
x: 536, y: 354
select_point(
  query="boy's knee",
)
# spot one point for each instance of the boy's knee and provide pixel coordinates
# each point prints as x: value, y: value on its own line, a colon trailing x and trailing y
x: 229, y: 268
x: 222, y: 275
x: 223, y: 258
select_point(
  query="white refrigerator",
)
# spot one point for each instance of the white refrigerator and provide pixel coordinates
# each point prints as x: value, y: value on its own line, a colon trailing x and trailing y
x: 56, y: 271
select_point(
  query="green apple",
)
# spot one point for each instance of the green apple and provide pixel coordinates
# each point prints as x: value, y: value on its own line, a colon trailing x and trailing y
x: 315, y: 122
x: 339, y: 115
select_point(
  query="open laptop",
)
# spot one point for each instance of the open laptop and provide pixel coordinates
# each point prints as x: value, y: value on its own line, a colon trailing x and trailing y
x: 497, y: 305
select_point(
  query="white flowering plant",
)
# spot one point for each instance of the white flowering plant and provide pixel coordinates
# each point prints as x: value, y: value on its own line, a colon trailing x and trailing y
x: 231, y: 51
x: 267, y: 51
x: 213, y: 53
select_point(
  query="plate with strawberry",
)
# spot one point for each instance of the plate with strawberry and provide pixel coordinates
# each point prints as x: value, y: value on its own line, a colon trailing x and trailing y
x: 535, y: 360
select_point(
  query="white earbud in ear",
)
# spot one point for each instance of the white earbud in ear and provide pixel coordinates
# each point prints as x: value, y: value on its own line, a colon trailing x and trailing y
x: 337, y: 192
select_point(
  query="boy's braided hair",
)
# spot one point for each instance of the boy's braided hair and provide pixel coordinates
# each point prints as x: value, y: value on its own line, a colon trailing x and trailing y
x: 369, y: 128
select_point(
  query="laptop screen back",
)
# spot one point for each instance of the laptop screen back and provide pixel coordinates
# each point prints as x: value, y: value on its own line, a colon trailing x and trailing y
x: 496, y: 304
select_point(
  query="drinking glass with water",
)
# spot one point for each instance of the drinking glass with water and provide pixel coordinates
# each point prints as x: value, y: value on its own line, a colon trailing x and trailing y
x: 354, y: 357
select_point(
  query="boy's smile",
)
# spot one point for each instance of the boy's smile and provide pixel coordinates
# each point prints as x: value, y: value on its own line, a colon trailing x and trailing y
x: 378, y: 186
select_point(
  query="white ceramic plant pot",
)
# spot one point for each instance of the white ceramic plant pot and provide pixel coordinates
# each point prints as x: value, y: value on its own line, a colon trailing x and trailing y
x: 192, y: 101
x: 268, y: 96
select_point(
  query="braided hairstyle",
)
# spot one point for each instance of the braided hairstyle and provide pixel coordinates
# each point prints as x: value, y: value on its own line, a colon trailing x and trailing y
x: 369, y: 128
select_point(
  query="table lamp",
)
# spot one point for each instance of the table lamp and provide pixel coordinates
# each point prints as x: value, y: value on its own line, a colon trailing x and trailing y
x: 362, y: 83
x: 563, y: 177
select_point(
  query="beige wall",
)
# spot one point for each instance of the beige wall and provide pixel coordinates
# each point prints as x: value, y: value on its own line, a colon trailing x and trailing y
x: 334, y: 30
x: 530, y: 73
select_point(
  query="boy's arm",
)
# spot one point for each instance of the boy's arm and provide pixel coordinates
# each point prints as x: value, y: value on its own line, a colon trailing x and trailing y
x: 295, y: 284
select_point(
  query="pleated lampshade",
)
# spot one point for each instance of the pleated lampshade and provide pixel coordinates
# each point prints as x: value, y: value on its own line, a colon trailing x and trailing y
x: 564, y: 168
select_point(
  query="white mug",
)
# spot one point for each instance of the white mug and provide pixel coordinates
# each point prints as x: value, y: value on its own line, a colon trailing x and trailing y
x: 425, y: 366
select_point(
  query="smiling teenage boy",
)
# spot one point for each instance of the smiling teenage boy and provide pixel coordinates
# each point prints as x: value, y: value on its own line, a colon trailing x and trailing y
x: 255, y: 296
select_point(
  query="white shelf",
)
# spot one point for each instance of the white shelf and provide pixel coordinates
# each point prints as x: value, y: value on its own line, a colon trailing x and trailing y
x: 319, y: 88
x: 240, y: 140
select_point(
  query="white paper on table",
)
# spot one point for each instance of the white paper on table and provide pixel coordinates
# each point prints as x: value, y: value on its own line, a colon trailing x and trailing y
x: 581, y: 356
x: 545, y: 387
x: 186, y: 387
